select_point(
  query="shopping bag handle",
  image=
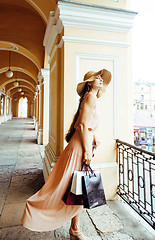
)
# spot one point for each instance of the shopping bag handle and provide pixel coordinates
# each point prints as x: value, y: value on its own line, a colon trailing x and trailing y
x: 88, y: 169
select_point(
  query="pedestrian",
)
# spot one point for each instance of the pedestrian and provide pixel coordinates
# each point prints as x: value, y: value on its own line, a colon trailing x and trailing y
x: 45, y: 210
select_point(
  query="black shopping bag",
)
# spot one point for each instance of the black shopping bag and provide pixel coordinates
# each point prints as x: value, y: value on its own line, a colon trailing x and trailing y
x: 93, y: 192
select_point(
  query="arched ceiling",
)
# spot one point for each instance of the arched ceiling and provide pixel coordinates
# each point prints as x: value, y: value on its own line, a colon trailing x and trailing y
x: 22, y: 29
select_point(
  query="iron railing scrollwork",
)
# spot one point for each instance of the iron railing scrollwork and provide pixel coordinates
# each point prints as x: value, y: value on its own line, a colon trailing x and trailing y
x: 137, y: 180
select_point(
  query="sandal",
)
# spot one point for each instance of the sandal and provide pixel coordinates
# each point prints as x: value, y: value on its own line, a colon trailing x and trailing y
x: 77, y: 235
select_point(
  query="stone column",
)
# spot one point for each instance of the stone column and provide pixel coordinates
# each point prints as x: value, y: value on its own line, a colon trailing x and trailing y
x: 3, y: 104
x: 37, y: 111
x: 41, y: 109
x: 45, y: 74
x: 10, y: 107
x: 34, y: 113
x: 5, y: 108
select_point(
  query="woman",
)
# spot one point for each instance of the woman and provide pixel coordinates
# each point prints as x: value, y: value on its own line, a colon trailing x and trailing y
x: 45, y: 210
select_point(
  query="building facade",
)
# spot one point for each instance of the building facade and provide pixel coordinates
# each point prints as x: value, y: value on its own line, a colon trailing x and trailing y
x: 144, y: 114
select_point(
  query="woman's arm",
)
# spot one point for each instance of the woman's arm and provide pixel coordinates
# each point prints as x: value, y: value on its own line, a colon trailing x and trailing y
x: 86, y: 114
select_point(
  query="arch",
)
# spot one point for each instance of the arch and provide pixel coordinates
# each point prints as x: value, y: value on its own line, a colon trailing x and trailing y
x: 37, y: 8
x: 22, y: 107
x: 16, y: 69
x: 17, y: 96
x: 21, y: 86
x: 21, y: 75
x: 24, y: 89
x: 5, y: 45
x: 19, y: 80
x: 21, y: 21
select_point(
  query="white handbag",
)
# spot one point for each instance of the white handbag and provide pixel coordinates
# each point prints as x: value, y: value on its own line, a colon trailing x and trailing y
x: 76, y: 186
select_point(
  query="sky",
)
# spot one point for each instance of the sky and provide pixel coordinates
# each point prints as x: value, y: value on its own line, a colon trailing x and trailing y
x: 144, y: 41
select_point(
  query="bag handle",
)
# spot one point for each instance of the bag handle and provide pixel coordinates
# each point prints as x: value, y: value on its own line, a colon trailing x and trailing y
x: 88, y: 169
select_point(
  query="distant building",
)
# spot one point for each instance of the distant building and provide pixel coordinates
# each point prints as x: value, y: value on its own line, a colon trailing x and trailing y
x: 144, y: 98
x: 144, y: 114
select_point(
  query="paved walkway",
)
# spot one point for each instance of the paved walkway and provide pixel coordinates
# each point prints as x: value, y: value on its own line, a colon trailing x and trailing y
x: 21, y: 176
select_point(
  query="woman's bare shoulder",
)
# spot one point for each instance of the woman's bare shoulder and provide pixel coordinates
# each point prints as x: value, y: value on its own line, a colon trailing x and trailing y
x: 91, y: 99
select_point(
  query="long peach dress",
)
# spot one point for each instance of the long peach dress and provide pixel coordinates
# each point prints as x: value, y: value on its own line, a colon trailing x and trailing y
x: 45, y: 210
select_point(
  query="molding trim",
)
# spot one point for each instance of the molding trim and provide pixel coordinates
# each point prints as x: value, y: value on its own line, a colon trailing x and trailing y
x: 79, y: 56
x: 95, y: 41
x: 82, y: 15
x: 55, y: 48
x: 53, y: 138
x: 53, y: 66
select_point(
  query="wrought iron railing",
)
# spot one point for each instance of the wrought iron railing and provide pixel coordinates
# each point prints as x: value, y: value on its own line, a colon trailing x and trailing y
x: 137, y: 180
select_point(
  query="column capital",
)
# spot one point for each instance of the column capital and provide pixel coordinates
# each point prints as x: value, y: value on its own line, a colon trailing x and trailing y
x: 45, y: 72
x: 40, y: 77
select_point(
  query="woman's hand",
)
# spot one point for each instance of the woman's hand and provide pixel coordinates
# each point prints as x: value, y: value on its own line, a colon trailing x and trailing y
x: 95, y: 142
x: 87, y: 157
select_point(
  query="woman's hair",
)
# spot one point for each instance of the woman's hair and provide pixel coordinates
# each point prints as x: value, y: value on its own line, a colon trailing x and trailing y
x: 71, y: 130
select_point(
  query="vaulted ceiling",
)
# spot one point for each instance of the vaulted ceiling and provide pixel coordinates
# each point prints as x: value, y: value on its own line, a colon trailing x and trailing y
x: 22, y: 28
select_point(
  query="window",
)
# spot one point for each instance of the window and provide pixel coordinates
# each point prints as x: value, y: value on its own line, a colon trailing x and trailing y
x: 142, y: 97
x: 145, y: 106
x: 137, y: 106
x: 142, y: 106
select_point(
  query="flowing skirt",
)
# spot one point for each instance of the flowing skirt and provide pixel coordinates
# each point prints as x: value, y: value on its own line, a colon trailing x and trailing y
x: 45, y: 210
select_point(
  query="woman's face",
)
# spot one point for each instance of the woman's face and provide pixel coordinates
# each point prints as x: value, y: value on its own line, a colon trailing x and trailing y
x: 97, y: 83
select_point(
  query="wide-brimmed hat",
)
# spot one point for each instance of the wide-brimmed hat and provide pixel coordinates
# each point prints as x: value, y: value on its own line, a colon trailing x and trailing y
x: 89, y: 77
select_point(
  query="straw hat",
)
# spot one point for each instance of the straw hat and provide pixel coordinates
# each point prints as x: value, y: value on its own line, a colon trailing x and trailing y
x: 89, y: 77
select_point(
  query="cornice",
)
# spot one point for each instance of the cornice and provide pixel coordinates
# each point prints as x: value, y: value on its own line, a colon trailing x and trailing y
x: 82, y: 15
x: 90, y: 16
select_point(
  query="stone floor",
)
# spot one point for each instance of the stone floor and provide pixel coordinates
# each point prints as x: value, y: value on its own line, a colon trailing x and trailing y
x: 21, y: 176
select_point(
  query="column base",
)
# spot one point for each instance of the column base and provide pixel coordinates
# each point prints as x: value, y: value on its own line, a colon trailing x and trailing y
x: 40, y: 136
x: 49, y: 161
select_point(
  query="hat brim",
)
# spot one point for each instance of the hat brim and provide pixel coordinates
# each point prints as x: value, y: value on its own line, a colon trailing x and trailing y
x: 81, y: 85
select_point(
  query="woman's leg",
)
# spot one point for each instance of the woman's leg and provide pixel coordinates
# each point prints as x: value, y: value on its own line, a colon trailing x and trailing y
x: 75, y: 222
x: 75, y: 231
